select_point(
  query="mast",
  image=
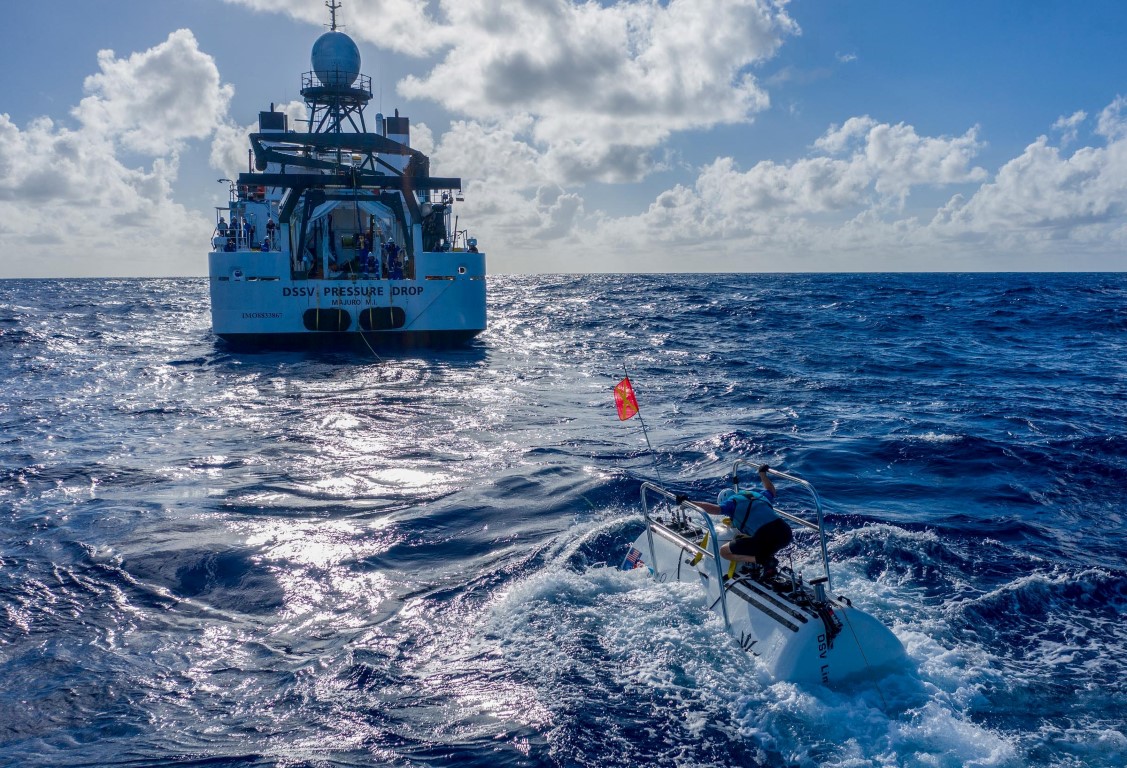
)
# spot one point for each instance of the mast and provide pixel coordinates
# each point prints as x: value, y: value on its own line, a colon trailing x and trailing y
x: 335, y: 91
x: 337, y: 152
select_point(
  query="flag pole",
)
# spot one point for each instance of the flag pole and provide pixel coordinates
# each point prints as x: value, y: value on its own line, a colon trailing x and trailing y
x: 646, y: 433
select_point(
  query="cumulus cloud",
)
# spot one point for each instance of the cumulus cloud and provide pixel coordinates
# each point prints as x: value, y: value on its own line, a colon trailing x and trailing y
x: 152, y: 101
x: 500, y: 152
x: 1044, y: 194
x: 1069, y: 127
x: 863, y: 163
x: 95, y: 213
x: 1112, y: 123
x: 550, y: 101
x: 546, y: 223
x: 847, y: 200
x: 896, y: 158
x: 402, y: 26
x: 602, y: 85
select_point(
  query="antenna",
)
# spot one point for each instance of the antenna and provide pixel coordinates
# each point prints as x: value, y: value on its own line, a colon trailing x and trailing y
x: 333, y: 7
x: 335, y: 91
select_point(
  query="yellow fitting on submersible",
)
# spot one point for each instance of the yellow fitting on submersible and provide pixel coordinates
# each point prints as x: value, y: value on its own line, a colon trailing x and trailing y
x: 703, y: 545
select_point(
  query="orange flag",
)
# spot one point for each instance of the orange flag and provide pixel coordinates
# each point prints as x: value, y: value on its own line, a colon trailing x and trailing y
x: 624, y: 400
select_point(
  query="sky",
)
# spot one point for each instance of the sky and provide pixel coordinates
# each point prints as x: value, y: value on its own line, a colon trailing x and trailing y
x: 629, y: 136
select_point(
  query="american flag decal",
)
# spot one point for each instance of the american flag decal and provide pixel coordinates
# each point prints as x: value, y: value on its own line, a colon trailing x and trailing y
x: 633, y: 560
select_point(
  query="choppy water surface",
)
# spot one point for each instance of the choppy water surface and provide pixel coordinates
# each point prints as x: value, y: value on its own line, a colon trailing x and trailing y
x: 319, y: 560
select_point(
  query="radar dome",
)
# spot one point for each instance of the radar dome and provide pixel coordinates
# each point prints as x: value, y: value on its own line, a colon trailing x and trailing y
x: 336, y: 60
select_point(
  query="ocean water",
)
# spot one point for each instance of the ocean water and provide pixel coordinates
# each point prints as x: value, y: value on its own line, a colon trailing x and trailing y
x: 336, y: 559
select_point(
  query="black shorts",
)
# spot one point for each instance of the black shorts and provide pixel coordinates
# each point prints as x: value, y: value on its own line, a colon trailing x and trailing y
x: 768, y: 539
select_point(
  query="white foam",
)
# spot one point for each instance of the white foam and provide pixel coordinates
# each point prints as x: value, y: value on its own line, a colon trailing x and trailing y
x: 660, y: 642
x: 931, y: 437
x: 601, y: 634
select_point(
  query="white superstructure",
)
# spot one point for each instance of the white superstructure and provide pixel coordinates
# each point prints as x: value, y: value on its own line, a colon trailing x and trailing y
x: 340, y: 233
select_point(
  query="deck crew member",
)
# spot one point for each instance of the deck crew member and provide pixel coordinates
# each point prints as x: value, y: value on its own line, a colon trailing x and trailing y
x: 367, y: 261
x: 763, y: 532
x: 394, y: 266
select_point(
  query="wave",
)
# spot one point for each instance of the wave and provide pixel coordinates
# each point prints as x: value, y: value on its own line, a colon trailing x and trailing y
x: 275, y: 558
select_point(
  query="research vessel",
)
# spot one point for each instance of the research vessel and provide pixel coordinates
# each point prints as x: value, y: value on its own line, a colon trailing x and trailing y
x: 338, y: 233
x: 796, y: 627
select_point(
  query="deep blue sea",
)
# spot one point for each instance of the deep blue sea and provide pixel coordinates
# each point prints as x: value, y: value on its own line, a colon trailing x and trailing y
x: 339, y: 559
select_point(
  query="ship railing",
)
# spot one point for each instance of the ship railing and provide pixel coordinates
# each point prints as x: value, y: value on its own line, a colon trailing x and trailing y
x: 362, y: 83
x: 686, y: 513
x: 817, y: 524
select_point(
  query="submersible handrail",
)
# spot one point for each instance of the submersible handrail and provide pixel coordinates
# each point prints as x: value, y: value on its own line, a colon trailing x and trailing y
x: 819, y: 526
x: 714, y: 545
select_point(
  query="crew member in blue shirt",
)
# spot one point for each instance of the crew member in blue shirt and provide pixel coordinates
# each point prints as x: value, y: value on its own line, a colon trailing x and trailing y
x: 762, y: 533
